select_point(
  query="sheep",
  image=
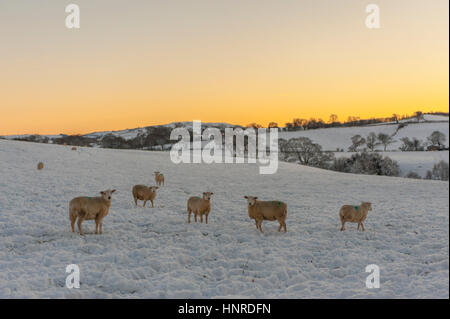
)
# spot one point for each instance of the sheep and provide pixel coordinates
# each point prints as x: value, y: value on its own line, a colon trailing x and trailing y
x: 266, y: 210
x: 40, y: 166
x: 159, y: 178
x: 354, y: 214
x: 199, y: 206
x: 74, y: 148
x: 142, y: 192
x: 88, y: 208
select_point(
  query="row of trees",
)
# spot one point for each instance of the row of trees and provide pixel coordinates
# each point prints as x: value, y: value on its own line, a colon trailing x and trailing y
x: 371, y: 141
x: 333, y: 121
x: 436, y: 141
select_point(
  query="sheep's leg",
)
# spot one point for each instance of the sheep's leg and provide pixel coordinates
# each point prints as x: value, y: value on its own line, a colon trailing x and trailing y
x: 201, y: 218
x: 259, y: 226
x: 362, y: 226
x: 206, y: 218
x: 195, y: 216
x: 152, y: 202
x: 279, y: 228
x: 80, y: 229
x: 96, y: 227
x: 343, y: 224
x: 145, y: 201
x: 135, y: 201
x: 73, y: 219
x: 359, y: 224
x: 284, y: 226
x: 101, y: 227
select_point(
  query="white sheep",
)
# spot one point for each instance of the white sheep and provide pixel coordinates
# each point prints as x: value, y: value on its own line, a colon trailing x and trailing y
x: 145, y: 193
x: 88, y: 208
x: 159, y: 179
x: 266, y: 210
x: 354, y: 214
x: 199, y: 206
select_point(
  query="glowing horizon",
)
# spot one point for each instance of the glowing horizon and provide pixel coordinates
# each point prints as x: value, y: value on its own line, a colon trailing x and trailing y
x: 154, y: 62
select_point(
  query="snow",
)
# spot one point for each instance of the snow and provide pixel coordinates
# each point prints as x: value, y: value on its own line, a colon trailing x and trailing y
x: 340, y: 137
x: 154, y: 253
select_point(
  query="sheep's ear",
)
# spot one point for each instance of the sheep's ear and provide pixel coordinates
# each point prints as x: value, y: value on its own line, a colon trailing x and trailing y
x: 256, y: 197
x: 246, y: 197
x: 156, y: 187
x: 211, y: 193
x: 113, y: 191
x: 103, y: 193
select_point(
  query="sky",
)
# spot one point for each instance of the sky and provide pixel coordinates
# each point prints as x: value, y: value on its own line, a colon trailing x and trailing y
x: 139, y: 63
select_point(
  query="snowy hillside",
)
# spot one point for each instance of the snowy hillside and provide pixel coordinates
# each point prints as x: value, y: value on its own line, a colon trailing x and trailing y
x: 128, y: 134
x: 154, y: 253
x: 340, y: 138
x: 332, y: 139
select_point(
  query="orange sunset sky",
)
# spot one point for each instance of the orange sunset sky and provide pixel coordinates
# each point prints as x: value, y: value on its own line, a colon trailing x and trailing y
x: 139, y: 63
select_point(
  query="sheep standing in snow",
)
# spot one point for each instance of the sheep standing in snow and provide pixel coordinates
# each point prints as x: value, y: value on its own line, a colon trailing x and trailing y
x: 40, y: 166
x: 266, y: 210
x: 142, y: 192
x: 199, y: 206
x: 74, y: 148
x: 88, y: 208
x: 354, y: 214
x: 159, y: 178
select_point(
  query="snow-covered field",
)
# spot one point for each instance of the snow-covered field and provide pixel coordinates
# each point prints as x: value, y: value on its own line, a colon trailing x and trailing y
x: 340, y: 138
x: 154, y: 253
x: 332, y: 139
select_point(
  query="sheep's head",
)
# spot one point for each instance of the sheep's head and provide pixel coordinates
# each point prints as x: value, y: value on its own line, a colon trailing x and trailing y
x: 207, y: 195
x: 156, y: 173
x: 367, y: 205
x: 153, y: 188
x: 251, y: 200
x: 106, y: 195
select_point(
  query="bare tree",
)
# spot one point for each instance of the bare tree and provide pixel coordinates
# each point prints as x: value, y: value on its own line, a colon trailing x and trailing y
x: 357, y: 141
x: 372, y: 141
x: 385, y: 139
x: 333, y: 118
